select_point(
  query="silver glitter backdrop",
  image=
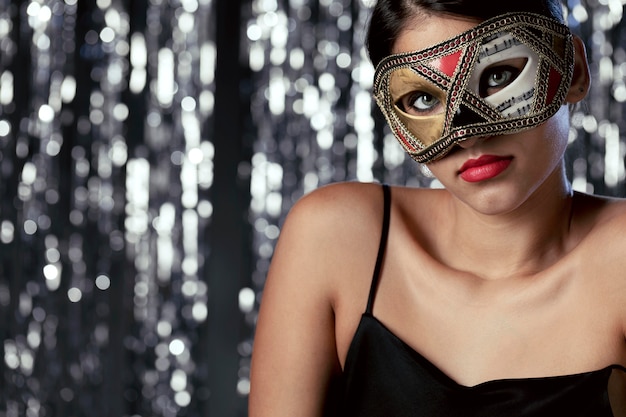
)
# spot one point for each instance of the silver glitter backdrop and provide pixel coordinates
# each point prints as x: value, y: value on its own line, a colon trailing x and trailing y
x: 149, y: 151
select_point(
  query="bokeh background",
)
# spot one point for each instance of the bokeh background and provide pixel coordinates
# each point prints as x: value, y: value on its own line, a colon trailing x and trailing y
x: 149, y: 151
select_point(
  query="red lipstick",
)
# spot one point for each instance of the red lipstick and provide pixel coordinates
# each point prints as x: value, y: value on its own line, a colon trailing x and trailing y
x: 484, y: 168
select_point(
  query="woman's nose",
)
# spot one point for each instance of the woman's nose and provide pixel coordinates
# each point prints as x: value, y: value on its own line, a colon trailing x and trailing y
x: 468, y: 143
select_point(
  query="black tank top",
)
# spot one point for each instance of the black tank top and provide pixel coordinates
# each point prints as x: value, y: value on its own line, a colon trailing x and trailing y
x: 385, y: 377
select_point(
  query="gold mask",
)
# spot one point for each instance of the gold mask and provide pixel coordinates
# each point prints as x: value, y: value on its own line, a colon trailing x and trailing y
x: 466, y: 86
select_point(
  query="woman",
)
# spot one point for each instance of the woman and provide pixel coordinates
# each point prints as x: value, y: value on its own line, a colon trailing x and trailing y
x: 502, y: 294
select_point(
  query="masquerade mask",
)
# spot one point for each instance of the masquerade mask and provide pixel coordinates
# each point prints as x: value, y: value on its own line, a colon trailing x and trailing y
x: 507, y: 74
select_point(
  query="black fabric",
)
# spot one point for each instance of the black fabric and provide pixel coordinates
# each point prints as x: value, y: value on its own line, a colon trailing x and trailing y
x: 385, y: 377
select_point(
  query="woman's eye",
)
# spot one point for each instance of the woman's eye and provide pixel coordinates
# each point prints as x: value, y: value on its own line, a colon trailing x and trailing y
x: 496, y: 78
x: 419, y: 103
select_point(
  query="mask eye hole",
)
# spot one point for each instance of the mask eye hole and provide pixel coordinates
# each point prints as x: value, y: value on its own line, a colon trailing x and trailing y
x: 419, y: 103
x: 500, y: 75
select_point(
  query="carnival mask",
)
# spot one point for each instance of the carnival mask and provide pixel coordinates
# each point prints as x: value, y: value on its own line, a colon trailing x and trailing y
x: 507, y: 74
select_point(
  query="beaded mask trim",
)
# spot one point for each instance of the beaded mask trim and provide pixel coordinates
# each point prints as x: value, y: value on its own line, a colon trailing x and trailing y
x: 451, y: 74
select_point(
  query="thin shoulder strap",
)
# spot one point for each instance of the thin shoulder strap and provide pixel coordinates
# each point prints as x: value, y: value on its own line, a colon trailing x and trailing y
x: 381, y: 247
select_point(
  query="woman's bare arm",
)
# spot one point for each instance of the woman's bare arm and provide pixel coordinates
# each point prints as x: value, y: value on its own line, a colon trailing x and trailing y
x: 295, y: 355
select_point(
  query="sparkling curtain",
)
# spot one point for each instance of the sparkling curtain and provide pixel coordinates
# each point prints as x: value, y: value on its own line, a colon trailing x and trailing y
x: 106, y: 162
x: 108, y: 152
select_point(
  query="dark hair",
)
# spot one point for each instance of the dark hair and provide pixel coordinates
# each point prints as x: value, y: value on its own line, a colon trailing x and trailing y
x: 390, y: 16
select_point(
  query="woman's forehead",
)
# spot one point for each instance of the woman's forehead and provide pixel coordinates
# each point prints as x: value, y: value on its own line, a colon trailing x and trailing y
x: 427, y: 30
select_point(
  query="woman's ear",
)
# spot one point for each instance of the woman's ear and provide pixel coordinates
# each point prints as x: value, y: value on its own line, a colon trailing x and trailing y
x: 580, y: 80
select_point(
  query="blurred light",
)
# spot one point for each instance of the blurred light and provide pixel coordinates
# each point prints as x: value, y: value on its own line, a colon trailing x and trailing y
x: 107, y: 35
x: 165, y: 77
x: 74, y: 294
x: 46, y: 113
x: 246, y: 300
x: 103, y: 282
x: 177, y: 347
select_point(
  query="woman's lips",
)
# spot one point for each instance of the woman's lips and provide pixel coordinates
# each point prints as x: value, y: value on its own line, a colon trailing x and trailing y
x: 484, y: 168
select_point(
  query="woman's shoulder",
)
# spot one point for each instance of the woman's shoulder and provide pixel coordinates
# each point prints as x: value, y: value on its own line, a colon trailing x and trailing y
x: 600, y: 211
x: 348, y: 204
x: 601, y: 228
x: 338, y: 226
x: 363, y: 194
x: 340, y: 194
x: 329, y: 242
x: 603, y: 249
x: 345, y: 209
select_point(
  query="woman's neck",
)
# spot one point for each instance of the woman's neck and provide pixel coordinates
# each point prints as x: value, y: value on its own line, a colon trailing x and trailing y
x: 516, y: 243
